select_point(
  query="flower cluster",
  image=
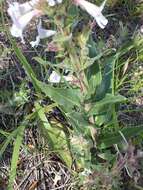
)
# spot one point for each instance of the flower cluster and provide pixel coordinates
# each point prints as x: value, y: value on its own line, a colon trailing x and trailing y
x: 22, y: 14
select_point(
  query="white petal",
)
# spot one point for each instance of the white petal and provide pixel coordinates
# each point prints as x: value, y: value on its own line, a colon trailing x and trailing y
x: 102, y: 5
x: 101, y: 21
x: 36, y: 42
x: 94, y: 11
x: 68, y: 78
x: 34, y: 2
x: 54, y: 77
x: 42, y: 33
x: 17, y: 32
x: 26, y: 18
x: 89, y: 7
x: 16, y: 10
x: 59, y: 1
x: 141, y: 29
x: 25, y: 7
x: 51, y: 2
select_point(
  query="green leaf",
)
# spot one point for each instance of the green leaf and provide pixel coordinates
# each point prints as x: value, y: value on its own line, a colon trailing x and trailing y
x: 107, y: 100
x: 105, y: 86
x: 68, y: 98
x: 15, y: 156
x: 52, y: 139
x: 55, y: 136
x: 23, y: 60
x: 92, y: 48
x: 104, y: 116
x: 7, y: 142
x: 72, y: 11
x: 94, y: 78
x: 4, y: 133
x: 79, y: 122
x: 79, y: 119
x: 114, y: 138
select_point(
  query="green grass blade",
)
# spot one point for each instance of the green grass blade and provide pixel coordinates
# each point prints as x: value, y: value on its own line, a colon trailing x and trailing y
x: 15, y: 156
x: 23, y: 61
x: 7, y: 142
x: 4, y: 133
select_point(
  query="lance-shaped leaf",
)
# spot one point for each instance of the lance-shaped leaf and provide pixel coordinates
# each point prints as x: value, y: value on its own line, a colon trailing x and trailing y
x: 55, y: 136
x: 68, y: 98
x: 114, y: 138
x: 109, y: 99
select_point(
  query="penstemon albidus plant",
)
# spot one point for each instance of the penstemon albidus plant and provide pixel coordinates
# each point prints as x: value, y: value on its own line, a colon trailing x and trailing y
x: 85, y: 94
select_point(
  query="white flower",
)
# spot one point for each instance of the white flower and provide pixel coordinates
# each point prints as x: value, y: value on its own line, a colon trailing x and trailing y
x: 21, y: 15
x: 42, y: 33
x: 53, y: 2
x: 56, y: 78
x: 59, y: 1
x: 141, y: 29
x: 94, y: 11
